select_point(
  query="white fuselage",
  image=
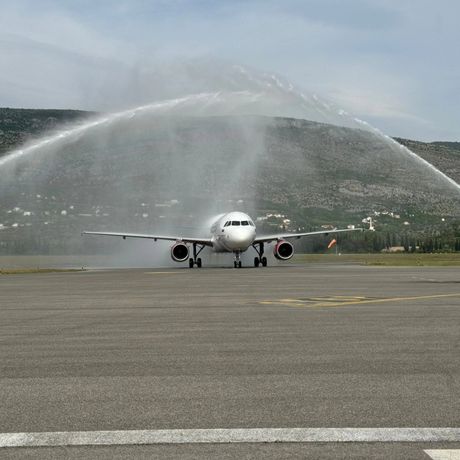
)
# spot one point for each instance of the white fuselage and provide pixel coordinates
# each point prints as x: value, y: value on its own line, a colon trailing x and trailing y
x: 233, y: 232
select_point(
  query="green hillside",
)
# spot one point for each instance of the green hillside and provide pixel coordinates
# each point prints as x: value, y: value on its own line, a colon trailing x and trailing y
x: 18, y: 126
x: 444, y: 155
x: 151, y: 172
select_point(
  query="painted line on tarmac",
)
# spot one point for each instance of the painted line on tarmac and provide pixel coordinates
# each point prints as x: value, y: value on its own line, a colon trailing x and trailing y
x: 357, y: 301
x: 443, y: 454
x: 232, y: 435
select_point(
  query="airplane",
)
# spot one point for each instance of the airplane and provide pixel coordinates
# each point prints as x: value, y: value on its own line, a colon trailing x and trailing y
x: 234, y: 232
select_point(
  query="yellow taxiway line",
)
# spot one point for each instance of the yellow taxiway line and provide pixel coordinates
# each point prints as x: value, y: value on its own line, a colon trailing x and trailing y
x: 354, y: 301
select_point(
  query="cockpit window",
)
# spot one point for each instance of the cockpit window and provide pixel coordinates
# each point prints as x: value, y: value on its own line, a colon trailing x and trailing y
x: 244, y: 222
x: 227, y: 223
x: 251, y: 223
x: 235, y: 222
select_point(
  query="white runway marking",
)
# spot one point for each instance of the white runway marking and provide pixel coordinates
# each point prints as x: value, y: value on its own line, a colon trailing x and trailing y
x: 444, y: 454
x: 232, y: 435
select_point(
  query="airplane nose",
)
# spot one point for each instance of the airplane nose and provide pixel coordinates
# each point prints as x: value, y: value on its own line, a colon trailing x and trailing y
x: 240, y: 239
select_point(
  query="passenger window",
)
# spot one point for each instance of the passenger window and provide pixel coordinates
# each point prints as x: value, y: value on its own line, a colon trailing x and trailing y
x: 244, y: 222
x: 235, y: 222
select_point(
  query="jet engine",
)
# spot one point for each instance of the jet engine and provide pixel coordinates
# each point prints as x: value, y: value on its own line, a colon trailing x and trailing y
x: 179, y: 252
x: 283, y: 250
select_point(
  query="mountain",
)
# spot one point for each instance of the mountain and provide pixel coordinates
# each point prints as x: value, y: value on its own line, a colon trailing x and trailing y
x: 444, y: 155
x: 18, y: 126
x: 144, y: 171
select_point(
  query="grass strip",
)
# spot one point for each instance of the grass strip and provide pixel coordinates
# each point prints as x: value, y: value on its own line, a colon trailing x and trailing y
x: 390, y: 260
x: 27, y: 271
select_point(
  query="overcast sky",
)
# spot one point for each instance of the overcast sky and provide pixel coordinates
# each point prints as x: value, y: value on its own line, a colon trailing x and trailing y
x: 394, y: 63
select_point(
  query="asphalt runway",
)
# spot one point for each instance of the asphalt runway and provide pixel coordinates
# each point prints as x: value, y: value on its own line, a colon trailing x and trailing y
x: 292, y: 346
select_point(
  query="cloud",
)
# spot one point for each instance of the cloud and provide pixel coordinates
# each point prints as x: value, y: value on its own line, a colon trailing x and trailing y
x: 381, y: 59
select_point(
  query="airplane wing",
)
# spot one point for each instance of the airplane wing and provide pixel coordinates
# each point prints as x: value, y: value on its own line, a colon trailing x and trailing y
x: 203, y: 241
x: 286, y: 236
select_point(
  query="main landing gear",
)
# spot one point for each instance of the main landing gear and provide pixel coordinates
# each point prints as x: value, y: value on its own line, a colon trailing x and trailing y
x: 195, y: 260
x: 237, y: 261
x: 261, y: 259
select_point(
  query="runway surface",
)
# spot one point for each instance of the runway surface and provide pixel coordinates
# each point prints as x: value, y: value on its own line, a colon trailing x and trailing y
x: 294, y: 346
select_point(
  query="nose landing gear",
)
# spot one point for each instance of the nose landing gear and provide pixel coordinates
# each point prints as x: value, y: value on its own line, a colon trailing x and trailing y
x: 237, y: 261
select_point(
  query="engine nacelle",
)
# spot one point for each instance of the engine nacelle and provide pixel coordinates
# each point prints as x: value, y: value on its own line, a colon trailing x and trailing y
x: 179, y: 252
x: 283, y: 250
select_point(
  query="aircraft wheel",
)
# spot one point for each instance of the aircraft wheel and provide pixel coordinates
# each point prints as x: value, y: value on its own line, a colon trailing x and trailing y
x: 190, y: 263
x: 239, y: 264
x: 264, y: 261
x: 235, y: 264
x: 256, y: 261
x: 198, y: 262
